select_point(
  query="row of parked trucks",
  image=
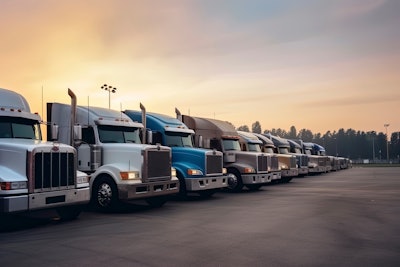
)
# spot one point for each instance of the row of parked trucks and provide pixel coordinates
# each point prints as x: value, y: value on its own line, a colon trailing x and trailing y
x: 101, y: 157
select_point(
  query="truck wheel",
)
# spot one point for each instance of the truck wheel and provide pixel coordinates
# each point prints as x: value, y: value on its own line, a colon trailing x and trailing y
x: 286, y: 179
x: 104, y: 194
x: 253, y: 187
x: 156, y: 202
x: 182, y: 186
x: 69, y: 213
x: 235, y: 183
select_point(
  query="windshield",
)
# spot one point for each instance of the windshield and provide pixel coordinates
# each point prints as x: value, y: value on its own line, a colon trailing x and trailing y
x: 173, y: 139
x: 231, y: 144
x: 119, y: 134
x: 11, y: 127
x: 254, y: 147
x: 283, y: 150
x: 269, y: 150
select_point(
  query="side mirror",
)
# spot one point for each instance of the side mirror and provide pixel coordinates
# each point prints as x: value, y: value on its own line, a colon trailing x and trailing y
x: 200, y: 142
x: 149, y: 137
x: 77, y: 132
x: 54, y: 132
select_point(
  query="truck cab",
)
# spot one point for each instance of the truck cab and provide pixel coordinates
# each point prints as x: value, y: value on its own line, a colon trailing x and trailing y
x: 111, y: 150
x: 199, y: 170
x: 250, y: 142
x: 248, y: 169
x: 301, y: 159
x: 287, y: 163
x: 36, y: 174
x: 320, y: 151
x: 316, y: 164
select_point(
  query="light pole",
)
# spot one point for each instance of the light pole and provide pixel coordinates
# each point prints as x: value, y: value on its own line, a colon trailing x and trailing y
x: 110, y: 90
x: 386, y: 125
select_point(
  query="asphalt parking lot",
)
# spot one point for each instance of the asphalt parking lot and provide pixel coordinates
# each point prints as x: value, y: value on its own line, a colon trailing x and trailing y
x: 345, y: 218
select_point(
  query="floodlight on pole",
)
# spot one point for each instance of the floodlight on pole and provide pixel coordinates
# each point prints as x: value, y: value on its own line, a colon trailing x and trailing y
x: 386, y: 125
x: 110, y: 90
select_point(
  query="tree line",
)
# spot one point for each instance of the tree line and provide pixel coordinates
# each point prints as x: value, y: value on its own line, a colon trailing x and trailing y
x: 356, y: 145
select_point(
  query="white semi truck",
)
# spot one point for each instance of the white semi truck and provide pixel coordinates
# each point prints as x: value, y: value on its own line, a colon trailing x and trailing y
x: 35, y: 174
x: 122, y: 168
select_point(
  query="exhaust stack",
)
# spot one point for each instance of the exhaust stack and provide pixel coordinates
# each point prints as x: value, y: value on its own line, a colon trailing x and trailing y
x: 143, y: 109
x: 73, y: 115
x: 178, y: 114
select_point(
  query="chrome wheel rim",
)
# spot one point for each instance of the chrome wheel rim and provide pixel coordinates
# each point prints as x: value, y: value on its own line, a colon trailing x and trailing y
x: 104, y: 195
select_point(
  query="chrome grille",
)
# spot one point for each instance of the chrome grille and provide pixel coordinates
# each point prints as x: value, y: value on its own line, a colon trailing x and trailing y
x: 304, y: 160
x: 53, y: 170
x: 156, y: 165
x: 274, y: 163
x: 213, y: 164
x: 321, y: 161
x: 262, y: 163
x: 293, y: 162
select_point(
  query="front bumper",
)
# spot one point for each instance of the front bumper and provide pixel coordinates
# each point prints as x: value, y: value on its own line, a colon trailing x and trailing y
x: 318, y: 169
x: 44, y: 200
x: 145, y: 190
x: 290, y: 173
x: 303, y: 170
x: 257, y: 178
x: 206, y: 182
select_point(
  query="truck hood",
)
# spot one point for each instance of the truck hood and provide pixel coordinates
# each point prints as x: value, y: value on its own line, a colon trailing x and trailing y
x: 13, y: 156
x: 29, y: 144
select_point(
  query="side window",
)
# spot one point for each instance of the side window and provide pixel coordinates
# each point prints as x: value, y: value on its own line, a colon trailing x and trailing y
x: 157, y: 138
x: 88, y: 135
x: 215, y: 143
x: 5, y: 130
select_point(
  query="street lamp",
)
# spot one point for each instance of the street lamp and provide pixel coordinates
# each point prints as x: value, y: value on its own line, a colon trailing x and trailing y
x: 110, y: 90
x: 386, y: 125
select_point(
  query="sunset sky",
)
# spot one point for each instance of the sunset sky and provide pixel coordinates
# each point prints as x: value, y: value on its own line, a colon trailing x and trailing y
x: 315, y: 64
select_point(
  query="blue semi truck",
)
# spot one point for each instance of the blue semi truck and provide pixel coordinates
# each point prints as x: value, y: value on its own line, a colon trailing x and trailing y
x: 199, y: 170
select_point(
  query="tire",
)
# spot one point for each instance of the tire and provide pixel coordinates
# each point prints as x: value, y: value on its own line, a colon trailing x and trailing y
x: 235, y: 183
x: 156, y: 202
x: 69, y: 213
x: 286, y: 180
x: 253, y: 187
x: 182, y: 186
x: 104, y: 194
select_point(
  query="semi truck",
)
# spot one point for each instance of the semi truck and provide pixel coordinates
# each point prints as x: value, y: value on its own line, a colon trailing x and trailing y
x: 282, y: 146
x: 320, y: 151
x: 302, y: 159
x: 110, y: 149
x: 250, y: 142
x: 249, y: 169
x: 199, y: 170
x: 34, y: 174
x: 287, y: 163
x: 316, y: 164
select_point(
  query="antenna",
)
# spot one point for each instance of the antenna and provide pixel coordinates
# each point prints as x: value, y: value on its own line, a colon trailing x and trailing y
x: 87, y: 110
x: 42, y: 104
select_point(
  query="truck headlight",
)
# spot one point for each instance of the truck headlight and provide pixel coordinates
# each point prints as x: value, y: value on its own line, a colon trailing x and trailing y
x: 13, y: 185
x: 224, y: 171
x: 130, y: 175
x: 284, y: 167
x: 82, y: 179
x: 249, y: 170
x: 173, y: 172
x: 194, y: 172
